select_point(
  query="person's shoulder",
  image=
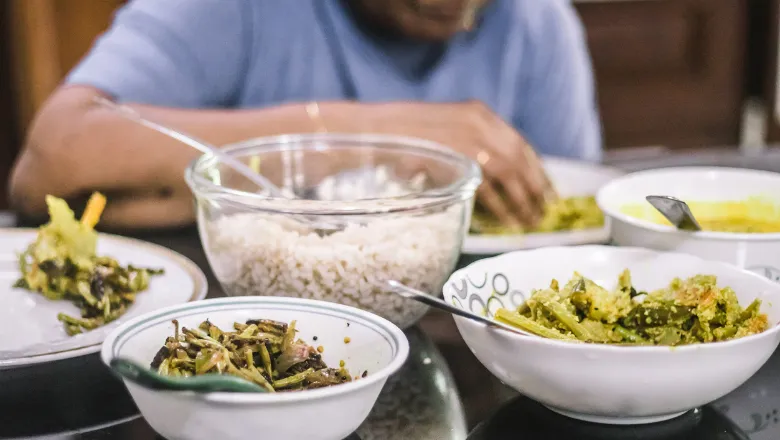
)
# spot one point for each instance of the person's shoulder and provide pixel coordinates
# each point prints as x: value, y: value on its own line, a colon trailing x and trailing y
x: 275, y: 10
x: 256, y: 10
x: 539, y: 18
x: 541, y: 10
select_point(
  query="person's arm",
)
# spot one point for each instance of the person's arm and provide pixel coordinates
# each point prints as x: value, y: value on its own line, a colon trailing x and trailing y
x: 559, y: 114
x: 161, y: 57
x: 75, y: 147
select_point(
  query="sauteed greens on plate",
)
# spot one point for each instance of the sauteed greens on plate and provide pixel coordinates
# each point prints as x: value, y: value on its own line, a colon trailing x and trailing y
x: 564, y: 214
x: 262, y: 351
x: 689, y: 311
x: 62, y: 264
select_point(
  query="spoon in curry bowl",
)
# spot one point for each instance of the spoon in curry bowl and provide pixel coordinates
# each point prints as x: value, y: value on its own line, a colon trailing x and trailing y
x: 676, y: 211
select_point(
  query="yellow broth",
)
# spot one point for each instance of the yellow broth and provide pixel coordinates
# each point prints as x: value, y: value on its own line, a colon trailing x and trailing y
x: 754, y: 215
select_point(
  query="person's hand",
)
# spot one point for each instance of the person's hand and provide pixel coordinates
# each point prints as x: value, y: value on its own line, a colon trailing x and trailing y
x: 515, y: 185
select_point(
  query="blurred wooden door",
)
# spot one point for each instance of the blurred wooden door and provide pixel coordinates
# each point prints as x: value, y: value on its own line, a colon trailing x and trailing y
x: 670, y: 72
x: 772, y: 79
x: 48, y: 39
x: 8, y: 133
x: 43, y: 39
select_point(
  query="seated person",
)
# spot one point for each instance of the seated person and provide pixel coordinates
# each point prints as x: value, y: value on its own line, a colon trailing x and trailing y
x: 498, y: 80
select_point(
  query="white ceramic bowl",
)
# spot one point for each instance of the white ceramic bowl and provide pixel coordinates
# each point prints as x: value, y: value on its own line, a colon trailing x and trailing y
x: 755, y: 252
x: 603, y: 383
x: 376, y: 346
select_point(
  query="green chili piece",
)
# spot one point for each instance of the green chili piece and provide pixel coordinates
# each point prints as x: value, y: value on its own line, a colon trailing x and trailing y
x: 529, y: 325
x: 749, y: 311
x: 568, y: 320
x: 265, y: 357
x: 292, y: 380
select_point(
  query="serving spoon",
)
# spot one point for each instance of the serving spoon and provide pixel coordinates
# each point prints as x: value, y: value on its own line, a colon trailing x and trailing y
x: 676, y: 211
x: 422, y: 297
x: 207, y: 383
x: 322, y: 228
x: 202, y: 146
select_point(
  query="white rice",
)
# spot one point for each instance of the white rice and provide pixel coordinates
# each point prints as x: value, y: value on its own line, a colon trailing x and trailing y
x: 261, y: 254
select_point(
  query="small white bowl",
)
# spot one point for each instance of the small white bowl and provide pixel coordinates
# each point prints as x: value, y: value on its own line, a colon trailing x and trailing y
x: 376, y: 346
x: 755, y: 252
x: 607, y: 383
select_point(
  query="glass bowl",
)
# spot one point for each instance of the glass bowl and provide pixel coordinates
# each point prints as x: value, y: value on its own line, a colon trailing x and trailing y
x: 403, y: 206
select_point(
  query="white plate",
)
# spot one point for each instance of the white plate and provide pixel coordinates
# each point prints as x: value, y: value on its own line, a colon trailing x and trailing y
x: 31, y: 333
x: 571, y: 178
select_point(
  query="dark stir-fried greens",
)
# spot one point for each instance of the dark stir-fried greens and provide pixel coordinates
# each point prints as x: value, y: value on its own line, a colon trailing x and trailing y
x: 62, y: 264
x: 261, y: 351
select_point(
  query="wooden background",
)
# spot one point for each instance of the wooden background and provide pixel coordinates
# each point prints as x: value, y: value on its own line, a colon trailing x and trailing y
x: 670, y: 72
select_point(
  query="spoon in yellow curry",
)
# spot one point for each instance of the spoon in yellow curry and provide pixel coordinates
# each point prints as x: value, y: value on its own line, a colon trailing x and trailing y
x: 676, y: 211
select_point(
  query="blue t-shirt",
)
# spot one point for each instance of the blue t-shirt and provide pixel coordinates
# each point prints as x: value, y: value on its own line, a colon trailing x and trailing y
x: 526, y: 59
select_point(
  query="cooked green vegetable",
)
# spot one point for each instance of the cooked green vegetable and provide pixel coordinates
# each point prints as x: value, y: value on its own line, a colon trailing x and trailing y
x: 565, y: 214
x: 689, y: 311
x: 61, y: 264
x: 261, y: 351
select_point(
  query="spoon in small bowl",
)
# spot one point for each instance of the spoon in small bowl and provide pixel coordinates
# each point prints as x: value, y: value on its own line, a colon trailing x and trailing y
x: 207, y: 383
x: 676, y: 211
x: 422, y: 297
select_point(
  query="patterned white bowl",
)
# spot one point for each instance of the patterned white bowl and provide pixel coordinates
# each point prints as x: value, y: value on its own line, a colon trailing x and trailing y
x: 604, y: 383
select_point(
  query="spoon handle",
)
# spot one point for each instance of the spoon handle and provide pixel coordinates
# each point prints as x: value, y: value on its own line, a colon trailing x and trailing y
x: 135, y: 373
x: 147, y: 378
x: 203, y: 147
x: 408, y: 292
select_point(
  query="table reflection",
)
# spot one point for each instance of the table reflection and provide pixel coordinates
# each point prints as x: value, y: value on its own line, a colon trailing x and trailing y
x: 755, y: 406
x: 79, y: 399
x: 524, y: 418
x: 421, y: 402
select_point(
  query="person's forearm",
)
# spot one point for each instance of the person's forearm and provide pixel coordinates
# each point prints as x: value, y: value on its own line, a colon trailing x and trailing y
x: 75, y: 147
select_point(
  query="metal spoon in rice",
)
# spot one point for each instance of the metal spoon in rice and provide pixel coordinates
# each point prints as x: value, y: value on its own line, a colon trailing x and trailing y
x: 409, y: 293
x: 261, y: 181
x: 676, y: 211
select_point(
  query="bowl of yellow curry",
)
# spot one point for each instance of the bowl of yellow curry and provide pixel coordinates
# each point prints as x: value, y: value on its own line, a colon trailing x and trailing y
x: 738, y: 209
x: 617, y: 335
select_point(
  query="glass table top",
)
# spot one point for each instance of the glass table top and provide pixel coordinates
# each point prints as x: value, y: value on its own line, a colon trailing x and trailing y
x: 442, y: 393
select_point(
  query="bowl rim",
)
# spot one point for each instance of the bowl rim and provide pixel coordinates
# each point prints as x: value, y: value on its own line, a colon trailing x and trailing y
x: 463, y: 188
x: 401, y: 355
x: 611, y: 348
x: 607, y: 207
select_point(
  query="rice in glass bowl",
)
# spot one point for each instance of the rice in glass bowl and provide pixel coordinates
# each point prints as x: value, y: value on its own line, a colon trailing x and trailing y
x: 406, y: 204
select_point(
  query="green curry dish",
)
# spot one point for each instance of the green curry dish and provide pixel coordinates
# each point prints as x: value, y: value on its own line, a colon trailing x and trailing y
x: 62, y: 264
x: 262, y: 351
x: 689, y: 311
x: 565, y: 214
